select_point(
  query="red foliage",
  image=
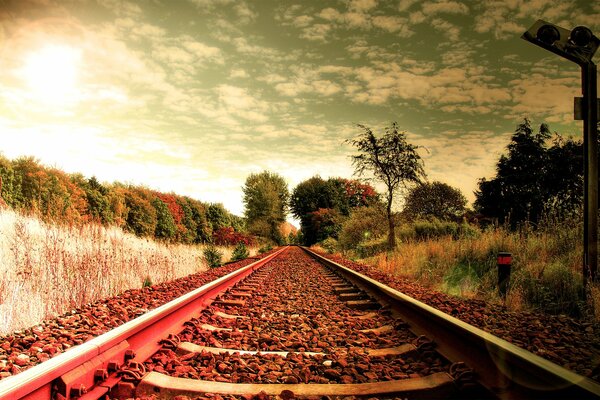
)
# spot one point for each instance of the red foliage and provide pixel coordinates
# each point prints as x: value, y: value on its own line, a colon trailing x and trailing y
x: 174, y: 208
x: 227, y: 236
x: 359, y: 194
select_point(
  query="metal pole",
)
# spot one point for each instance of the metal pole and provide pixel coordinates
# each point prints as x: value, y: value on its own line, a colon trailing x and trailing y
x: 590, y: 144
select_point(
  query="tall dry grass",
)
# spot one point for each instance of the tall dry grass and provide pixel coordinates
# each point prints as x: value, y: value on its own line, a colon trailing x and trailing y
x: 46, y: 270
x: 546, y: 270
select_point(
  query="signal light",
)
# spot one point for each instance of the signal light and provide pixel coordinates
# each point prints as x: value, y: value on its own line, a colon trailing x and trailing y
x: 581, y: 36
x: 548, y: 34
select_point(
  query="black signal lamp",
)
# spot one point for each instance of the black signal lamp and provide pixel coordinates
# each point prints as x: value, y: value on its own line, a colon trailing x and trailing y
x: 548, y: 34
x: 581, y: 36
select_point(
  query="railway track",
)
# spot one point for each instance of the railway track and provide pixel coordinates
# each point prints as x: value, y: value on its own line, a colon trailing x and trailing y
x: 294, y: 324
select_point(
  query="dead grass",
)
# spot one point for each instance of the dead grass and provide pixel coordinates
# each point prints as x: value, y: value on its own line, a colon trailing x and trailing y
x: 546, y: 269
x: 46, y: 270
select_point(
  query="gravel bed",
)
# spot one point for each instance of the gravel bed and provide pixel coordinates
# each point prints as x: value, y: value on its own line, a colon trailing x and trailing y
x: 295, y: 309
x: 23, y: 349
x: 571, y: 343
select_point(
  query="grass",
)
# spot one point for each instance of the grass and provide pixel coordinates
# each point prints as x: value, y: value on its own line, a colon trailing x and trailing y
x: 47, y: 270
x: 546, y: 268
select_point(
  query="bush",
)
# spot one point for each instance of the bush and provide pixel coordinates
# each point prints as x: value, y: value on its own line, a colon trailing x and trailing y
x: 558, y: 290
x: 240, y: 252
x: 212, y: 256
x: 427, y: 230
x: 364, y: 224
x: 329, y: 244
x: 265, y: 248
x: 372, y: 247
x: 147, y: 282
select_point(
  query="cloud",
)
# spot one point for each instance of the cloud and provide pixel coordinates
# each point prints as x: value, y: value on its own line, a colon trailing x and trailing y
x: 237, y: 101
x: 507, y: 19
x: 362, y: 5
x: 393, y: 24
x: 544, y: 95
x: 452, y: 32
x: 430, y: 8
x: 316, y: 32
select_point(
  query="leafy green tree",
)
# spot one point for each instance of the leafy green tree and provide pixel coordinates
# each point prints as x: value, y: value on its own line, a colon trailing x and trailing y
x: 203, y: 230
x: 97, y: 197
x: 564, y: 178
x: 435, y: 200
x: 217, y: 216
x: 391, y: 160
x: 11, y: 184
x: 332, y: 199
x: 141, y: 216
x: 518, y: 191
x: 266, y: 203
x: 240, y: 252
x: 364, y: 223
x: 165, y: 224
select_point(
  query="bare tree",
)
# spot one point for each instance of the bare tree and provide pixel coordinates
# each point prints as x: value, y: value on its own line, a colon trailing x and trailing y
x: 389, y: 159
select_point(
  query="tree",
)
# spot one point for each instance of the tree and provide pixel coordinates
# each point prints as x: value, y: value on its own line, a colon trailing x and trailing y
x: 334, y: 197
x: 266, y: 203
x: 165, y: 224
x: 141, y: 215
x: 217, y: 216
x: 391, y: 160
x: 435, y: 200
x: 519, y: 191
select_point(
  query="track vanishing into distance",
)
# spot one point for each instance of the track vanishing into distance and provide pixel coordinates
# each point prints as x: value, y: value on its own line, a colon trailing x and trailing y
x: 296, y: 325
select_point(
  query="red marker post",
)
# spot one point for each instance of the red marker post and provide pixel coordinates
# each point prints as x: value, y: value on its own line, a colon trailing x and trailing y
x: 504, y: 262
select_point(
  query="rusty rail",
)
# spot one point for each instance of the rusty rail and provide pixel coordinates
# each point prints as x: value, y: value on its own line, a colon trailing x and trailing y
x: 75, y: 373
x: 504, y: 369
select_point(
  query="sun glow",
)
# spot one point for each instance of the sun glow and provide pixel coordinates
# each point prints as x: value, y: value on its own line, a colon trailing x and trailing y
x: 51, y: 74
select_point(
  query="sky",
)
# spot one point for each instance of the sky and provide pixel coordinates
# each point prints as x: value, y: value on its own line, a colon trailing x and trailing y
x: 192, y: 96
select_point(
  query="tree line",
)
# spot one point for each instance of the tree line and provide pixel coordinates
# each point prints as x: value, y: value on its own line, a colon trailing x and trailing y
x: 56, y: 196
x: 537, y: 177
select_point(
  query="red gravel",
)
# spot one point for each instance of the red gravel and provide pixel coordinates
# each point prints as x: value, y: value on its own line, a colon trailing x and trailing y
x: 563, y: 340
x: 26, y: 348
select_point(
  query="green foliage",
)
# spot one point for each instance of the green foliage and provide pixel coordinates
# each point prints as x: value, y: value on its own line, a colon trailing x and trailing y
x: 147, y: 282
x: 141, y: 215
x: 558, y: 290
x: 203, y: 230
x: 329, y: 244
x: 426, y: 230
x: 364, y: 224
x: 372, y: 246
x: 212, y: 256
x: 388, y: 159
x: 98, y: 199
x: 240, y: 252
x: 266, y: 202
x: 265, y: 248
x: 533, y: 178
x: 165, y: 224
x: 434, y: 200
x: 217, y: 216
x: 321, y: 205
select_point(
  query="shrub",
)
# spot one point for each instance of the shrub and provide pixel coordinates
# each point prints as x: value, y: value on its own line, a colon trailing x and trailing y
x: 426, y: 230
x: 364, y: 223
x: 329, y: 244
x: 240, y: 252
x: 212, y: 256
x: 265, y: 248
x: 147, y: 281
x: 558, y: 290
x: 369, y: 248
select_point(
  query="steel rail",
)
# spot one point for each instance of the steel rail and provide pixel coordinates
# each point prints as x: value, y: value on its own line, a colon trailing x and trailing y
x: 74, y: 373
x: 507, y: 371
